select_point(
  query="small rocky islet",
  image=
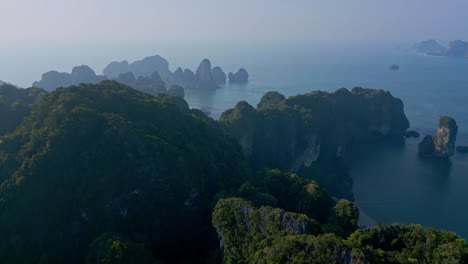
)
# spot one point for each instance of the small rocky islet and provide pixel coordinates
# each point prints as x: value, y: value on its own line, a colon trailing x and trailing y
x: 442, y: 144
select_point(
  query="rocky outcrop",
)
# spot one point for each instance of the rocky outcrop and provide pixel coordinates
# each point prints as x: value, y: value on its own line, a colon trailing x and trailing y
x: 236, y: 213
x: 114, y: 69
x: 218, y: 75
x: 241, y: 76
x: 427, y: 46
x: 457, y: 48
x: 442, y: 145
x: 152, y: 85
x: 81, y: 74
x: 294, y: 132
x: 445, y: 137
x: 144, y: 67
x: 204, y: 77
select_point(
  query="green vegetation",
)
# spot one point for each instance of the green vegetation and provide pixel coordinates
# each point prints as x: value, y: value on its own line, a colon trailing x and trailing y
x: 108, y: 174
x: 15, y: 104
x: 107, y: 158
x: 271, y: 235
x: 288, y: 191
x: 308, y: 133
x: 176, y: 90
x: 113, y: 249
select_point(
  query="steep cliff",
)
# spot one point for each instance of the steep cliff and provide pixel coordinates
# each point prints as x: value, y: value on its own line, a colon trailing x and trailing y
x: 203, y: 76
x: 241, y: 76
x: 442, y: 145
x: 290, y: 133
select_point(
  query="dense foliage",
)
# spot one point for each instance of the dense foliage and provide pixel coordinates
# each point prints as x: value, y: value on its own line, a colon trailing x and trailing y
x: 271, y: 235
x: 107, y: 174
x: 312, y: 130
x: 152, y: 84
x: 107, y: 158
x: 15, y: 104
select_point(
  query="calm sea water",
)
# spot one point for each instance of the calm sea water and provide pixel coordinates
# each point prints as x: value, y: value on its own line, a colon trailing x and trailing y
x: 391, y: 183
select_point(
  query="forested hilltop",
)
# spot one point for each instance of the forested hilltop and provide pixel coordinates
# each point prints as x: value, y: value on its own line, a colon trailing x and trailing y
x: 308, y: 134
x: 104, y: 173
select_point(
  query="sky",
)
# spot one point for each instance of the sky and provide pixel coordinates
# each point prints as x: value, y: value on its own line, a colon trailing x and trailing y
x: 57, y: 33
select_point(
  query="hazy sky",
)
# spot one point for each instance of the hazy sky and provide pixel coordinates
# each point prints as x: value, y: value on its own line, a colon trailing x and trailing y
x: 54, y: 34
x: 242, y: 20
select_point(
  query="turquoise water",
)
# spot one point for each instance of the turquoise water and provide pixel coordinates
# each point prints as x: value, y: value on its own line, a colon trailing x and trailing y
x: 391, y: 183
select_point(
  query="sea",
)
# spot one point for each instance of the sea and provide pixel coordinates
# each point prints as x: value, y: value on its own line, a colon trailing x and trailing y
x: 392, y: 184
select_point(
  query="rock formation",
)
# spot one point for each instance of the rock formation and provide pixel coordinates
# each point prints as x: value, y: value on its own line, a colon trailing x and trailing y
x: 144, y: 67
x: 114, y: 69
x: 428, y: 46
x: 457, y: 48
x: 152, y: 84
x: 204, y: 77
x: 80, y: 74
x: 442, y: 145
x: 176, y: 90
x: 218, y: 75
x: 292, y: 133
x: 445, y: 137
x: 241, y: 76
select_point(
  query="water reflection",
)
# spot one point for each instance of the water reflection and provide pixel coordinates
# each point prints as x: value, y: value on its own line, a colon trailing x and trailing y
x: 437, y: 172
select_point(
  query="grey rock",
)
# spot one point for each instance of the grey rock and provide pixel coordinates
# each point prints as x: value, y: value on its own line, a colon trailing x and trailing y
x: 241, y: 76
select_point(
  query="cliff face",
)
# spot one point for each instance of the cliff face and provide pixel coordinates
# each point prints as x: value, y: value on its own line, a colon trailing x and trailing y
x: 271, y: 235
x: 445, y: 137
x: 442, y: 145
x: 218, y: 75
x: 203, y: 76
x: 308, y: 133
x: 241, y: 76
x: 294, y: 132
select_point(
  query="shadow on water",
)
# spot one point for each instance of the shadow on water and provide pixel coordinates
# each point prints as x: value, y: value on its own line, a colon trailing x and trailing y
x: 437, y: 173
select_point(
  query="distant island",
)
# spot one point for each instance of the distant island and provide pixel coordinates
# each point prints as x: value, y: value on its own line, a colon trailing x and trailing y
x: 151, y: 75
x: 427, y: 46
x: 456, y: 48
